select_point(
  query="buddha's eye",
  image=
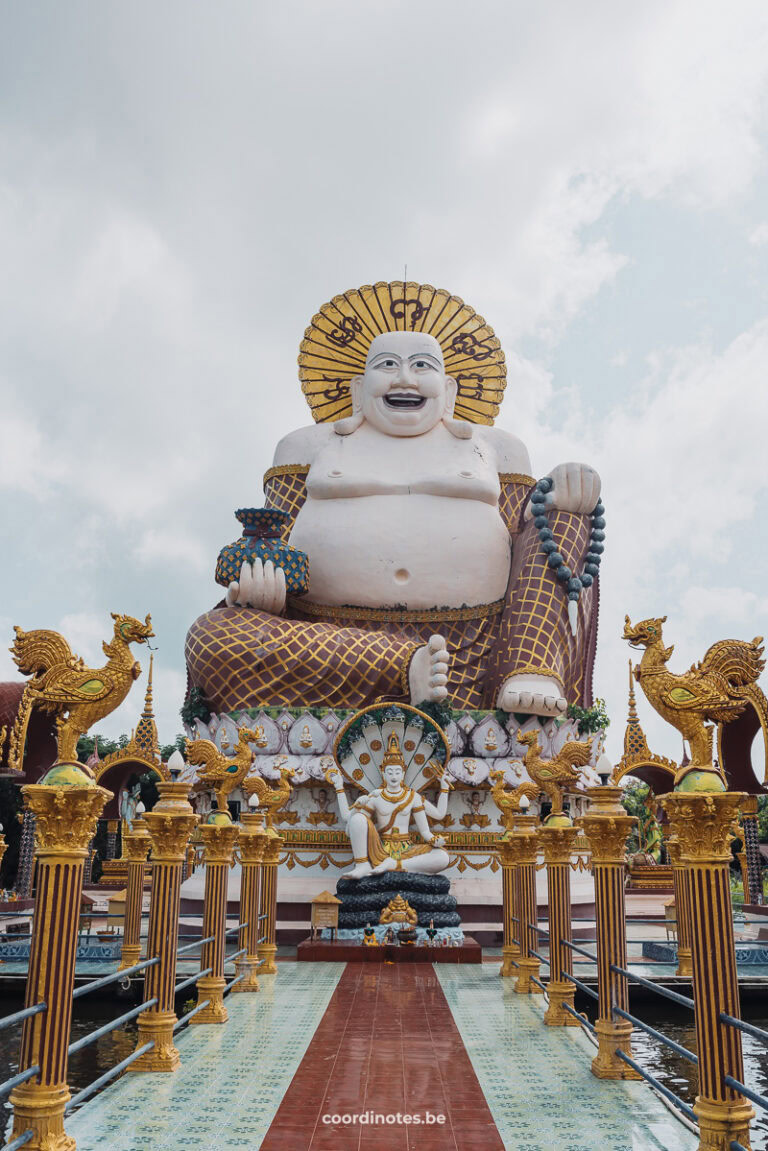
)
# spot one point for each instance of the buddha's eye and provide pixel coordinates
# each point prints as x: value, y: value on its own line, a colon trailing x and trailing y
x: 388, y: 364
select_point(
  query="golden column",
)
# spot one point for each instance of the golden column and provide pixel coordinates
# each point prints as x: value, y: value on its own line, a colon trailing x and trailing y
x: 268, y: 901
x: 510, y: 905
x: 3, y: 844
x: 701, y: 822
x: 525, y: 848
x: 219, y: 836
x: 682, y: 908
x: 170, y: 825
x: 557, y: 843
x: 253, y: 840
x: 136, y: 846
x: 606, y: 826
x: 66, y: 805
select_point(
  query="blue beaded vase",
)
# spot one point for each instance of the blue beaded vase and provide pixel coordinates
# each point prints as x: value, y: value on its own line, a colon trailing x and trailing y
x: 262, y: 528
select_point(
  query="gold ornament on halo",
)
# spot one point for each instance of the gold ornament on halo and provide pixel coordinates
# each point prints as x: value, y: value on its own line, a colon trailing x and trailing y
x: 63, y: 686
x: 336, y: 343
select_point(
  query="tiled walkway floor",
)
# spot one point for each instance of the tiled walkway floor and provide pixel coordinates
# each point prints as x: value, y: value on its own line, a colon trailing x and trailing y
x: 387, y: 1044
x: 537, y: 1079
x: 231, y: 1080
x: 454, y: 1040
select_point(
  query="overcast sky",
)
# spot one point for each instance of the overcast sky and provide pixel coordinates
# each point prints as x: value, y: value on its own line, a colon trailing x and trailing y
x: 182, y: 185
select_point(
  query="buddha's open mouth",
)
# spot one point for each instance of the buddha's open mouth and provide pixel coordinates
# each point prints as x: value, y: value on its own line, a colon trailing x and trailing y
x: 405, y: 401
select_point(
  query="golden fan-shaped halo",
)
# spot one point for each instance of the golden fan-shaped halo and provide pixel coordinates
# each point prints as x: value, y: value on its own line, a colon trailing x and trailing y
x: 336, y: 343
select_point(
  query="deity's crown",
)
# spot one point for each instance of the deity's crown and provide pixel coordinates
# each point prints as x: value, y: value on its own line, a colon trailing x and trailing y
x: 393, y: 754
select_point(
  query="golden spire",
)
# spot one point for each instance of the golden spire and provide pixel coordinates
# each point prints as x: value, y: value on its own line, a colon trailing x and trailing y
x: 637, y: 753
x: 145, y: 737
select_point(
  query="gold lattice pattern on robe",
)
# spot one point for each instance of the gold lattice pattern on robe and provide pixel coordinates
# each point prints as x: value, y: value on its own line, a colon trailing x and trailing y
x: 336, y: 343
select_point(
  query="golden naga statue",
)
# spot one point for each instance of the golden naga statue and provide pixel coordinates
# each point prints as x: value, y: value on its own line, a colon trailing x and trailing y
x: 508, y: 800
x: 554, y: 775
x: 270, y: 798
x: 717, y: 690
x: 62, y: 685
x: 399, y: 910
x: 222, y: 772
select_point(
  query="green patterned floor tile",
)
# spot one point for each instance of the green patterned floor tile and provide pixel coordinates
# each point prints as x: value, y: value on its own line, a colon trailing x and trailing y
x: 232, y: 1076
x: 537, y: 1079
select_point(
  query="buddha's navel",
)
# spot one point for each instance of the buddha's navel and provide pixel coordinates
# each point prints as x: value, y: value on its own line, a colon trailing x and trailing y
x: 335, y: 474
x: 466, y: 475
x: 402, y: 575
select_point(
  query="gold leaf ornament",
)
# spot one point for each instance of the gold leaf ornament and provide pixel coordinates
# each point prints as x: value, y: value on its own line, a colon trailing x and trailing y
x: 336, y: 343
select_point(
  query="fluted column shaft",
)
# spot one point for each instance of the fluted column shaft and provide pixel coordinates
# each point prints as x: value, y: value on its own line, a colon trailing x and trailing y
x: 701, y: 823
x: 65, y: 819
x: 268, y: 902
x: 752, y: 849
x: 510, y: 950
x: 682, y: 908
x: 135, y: 848
x: 606, y: 826
x: 525, y: 848
x: 170, y: 823
x: 219, y: 840
x: 253, y: 840
x: 557, y: 844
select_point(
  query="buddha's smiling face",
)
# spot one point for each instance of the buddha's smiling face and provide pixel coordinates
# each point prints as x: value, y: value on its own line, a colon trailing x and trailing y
x: 404, y: 391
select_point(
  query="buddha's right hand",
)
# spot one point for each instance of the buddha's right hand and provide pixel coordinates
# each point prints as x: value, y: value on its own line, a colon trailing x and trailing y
x: 261, y: 585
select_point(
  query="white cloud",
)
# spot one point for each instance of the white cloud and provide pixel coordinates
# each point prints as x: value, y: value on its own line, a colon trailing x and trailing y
x: 164, y: 241
x: 172, y: 549
x: 759, y: 236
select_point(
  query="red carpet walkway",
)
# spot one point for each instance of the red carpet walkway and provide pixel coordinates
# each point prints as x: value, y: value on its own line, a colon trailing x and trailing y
x: 386, y: 1044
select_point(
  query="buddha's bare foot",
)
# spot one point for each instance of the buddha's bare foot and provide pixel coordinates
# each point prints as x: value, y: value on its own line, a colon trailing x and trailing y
x: 532, y: 695
x: 428, y: 673
x: 388, y: 864
x: 360, y: 871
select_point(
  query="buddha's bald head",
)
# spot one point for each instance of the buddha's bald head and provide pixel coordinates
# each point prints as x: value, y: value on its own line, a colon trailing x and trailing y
x: 404, y: 390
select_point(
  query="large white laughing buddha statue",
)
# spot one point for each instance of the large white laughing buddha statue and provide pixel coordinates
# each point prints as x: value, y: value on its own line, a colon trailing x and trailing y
x: 433, y: 571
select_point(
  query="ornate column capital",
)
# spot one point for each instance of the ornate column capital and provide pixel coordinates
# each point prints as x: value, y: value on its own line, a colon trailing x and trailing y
x: 170, y: 822
x: 701, y: 823
x: 557, y: 843
x: 65, y: 817
x: 219, y: 840
x: 607, y: 835
x: 253, y: 837
x: 136, y: 844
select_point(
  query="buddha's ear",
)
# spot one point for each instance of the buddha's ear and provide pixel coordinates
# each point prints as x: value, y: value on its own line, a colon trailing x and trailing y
x: 458, y: 428
x: 352, y: 423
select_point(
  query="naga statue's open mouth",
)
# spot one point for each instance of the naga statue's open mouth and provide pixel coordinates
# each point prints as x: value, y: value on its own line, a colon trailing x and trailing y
x: 405, y: 401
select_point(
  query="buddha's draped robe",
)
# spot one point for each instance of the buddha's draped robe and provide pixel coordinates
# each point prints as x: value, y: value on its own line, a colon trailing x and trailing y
x: 314, y: 655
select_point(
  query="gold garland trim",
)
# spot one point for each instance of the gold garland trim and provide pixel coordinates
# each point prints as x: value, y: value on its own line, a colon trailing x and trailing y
x: 285, y: 470
x: 396, y: 615
x: 534, y: 669
x: 517, y: 478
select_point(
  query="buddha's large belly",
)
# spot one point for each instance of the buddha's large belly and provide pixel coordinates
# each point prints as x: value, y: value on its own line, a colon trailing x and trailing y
x: 417, y: 551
